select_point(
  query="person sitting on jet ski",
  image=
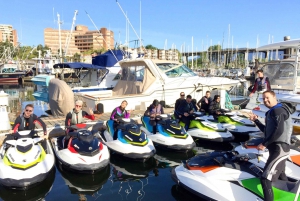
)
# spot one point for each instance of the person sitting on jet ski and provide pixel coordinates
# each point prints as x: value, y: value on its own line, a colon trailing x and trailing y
x: 77, y: 114
x: 119, y: 112
x: 178, y: 102
x: 215, y: 107
x: 278, y: 130
x: 185, y: 111
x: 204, y: 102
x: 153, y: 110
x: 27, y: 120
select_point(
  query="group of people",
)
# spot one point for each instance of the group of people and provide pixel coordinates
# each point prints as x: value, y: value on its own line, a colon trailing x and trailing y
x: 185, y: 107
x: 277, y: 128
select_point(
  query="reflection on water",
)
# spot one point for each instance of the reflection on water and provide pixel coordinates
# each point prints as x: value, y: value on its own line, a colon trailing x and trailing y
x: 122, y: 180
x: 36, y: 193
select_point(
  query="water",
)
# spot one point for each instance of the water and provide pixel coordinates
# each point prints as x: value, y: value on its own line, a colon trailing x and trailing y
x: 122, y: 180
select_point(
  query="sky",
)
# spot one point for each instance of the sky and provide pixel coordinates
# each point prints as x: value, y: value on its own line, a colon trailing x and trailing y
x: 164, y: 23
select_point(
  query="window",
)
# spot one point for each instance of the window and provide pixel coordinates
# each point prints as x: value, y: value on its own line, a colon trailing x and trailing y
x: 133, y: 73
x: 175, y: 70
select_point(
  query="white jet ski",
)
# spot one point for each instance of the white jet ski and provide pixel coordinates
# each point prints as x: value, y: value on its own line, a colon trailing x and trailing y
x: 131, y: 143
x: 169, y: 135
x: 83, y: 152
x: 26, y: 160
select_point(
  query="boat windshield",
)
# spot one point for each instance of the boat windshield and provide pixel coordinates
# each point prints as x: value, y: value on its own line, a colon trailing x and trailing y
x: 175, y: 70
x: 8, y: 70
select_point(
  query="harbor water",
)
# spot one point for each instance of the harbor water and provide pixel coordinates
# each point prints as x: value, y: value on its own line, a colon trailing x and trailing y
x: 121, y: 180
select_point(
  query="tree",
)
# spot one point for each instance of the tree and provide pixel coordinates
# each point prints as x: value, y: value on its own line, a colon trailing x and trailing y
x: 150, y: 47
x: 214, y: 47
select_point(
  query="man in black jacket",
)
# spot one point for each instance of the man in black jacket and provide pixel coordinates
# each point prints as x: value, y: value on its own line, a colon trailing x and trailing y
x: 215, y: 107
x: 278, y: 130
x: 27, y: 120
x: 185, y: 111
x: 204, y: 102
x: 178, y: 102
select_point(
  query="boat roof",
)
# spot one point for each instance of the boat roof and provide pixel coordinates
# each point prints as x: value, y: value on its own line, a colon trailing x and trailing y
x: 109, y: 58
x: 78, y: 65
x: 280, y: 45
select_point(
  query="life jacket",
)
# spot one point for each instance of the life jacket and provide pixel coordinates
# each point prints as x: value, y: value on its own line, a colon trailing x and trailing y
x: 77, y: 118
x: 262, y: 84
x: 288, y: 127
x: 22, y: 125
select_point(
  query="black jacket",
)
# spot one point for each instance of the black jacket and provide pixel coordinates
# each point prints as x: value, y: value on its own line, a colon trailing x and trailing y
x: 214, y: 106
x: 203, y: 105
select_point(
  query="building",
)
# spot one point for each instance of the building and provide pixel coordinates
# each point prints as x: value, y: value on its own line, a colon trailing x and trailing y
x: 82, y: 40
x: 7, y: 33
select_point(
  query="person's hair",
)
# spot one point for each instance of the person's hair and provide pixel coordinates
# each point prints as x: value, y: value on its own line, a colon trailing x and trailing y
x: 155, y: 102
x: 270, y: 92
x: 181, y: 93
x: 125, y: 102
x: 194, y: 101
x: 259, y: 71
x: 207, y: 92
x: 29, y: 105
x: 216, y: 97
x: 79, y: 102
x: 189, y: 96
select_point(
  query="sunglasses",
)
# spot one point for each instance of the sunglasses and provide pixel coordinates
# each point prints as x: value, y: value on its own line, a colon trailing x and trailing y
x: 182, y: 94
x: 28, y: 110
x: 78, y: 105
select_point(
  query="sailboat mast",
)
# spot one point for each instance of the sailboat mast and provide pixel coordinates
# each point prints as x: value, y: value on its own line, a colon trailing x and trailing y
x: 59, y: 36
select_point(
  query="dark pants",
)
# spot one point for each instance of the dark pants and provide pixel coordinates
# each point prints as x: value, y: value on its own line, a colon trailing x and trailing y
x: 154, y: 124
x: 186, y: 121
x: 115, y: 130
x: 272, y: 171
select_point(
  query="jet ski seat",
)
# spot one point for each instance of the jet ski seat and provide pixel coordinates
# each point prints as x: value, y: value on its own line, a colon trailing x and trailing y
x: 287, y: 185
x: 85, y: 136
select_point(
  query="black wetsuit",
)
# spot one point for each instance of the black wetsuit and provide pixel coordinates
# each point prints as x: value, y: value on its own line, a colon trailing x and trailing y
x: 278, y: 130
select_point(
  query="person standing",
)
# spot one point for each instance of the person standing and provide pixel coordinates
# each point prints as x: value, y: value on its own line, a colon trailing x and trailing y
x: 261, y: 83
x: 277, y: 130
x: 204, y: 102
x: 178, y: 102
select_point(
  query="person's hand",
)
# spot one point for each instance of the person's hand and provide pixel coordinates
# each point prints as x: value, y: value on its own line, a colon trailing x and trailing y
x: 179, y: 116
x: 252, y: 116
x: 152, y: 115
x: 11, y: 131
x: 250, y: 95
x: 45, y: 137
x: 91, y: 111
x: 129, y: 111
x: 186, y: 114
x: 191, y: 112
x: 202, y: 110
x: 260, y: 147
x: 218, y: 112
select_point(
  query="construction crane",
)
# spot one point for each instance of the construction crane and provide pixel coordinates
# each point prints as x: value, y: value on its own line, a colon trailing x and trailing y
x: 70, y: 34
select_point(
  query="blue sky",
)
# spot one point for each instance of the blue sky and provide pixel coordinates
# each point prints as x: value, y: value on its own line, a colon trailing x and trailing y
x: 176, y: 21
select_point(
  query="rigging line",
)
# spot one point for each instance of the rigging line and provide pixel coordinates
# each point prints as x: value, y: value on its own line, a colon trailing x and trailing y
x: 129, y: 23
x: 100, y: 34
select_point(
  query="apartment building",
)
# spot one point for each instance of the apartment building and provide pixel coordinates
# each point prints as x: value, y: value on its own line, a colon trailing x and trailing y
x: 7, y: 33
x: 82, y: 39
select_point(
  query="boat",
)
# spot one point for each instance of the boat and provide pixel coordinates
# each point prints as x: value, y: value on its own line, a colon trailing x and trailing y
x: 10, y: 74
x: 228, y: 176
x: 285, y: 82
x: 143, y: 80
x: 44, y: 65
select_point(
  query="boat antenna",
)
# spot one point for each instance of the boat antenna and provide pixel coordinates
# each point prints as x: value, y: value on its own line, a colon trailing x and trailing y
x: 129, y: 22
x: 100, y: 34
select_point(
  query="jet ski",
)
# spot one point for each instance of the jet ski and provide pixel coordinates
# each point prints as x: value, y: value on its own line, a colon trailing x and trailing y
x: 206, y: 130
x: 85, y: 184
x: 170, y: 134
x: 226, y: 176
x: 26, y: 160
x: 241, y: 127
x: 38, y: 192
x: 292, y: 169
x: 83, y: 152
x: 132, y: 142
